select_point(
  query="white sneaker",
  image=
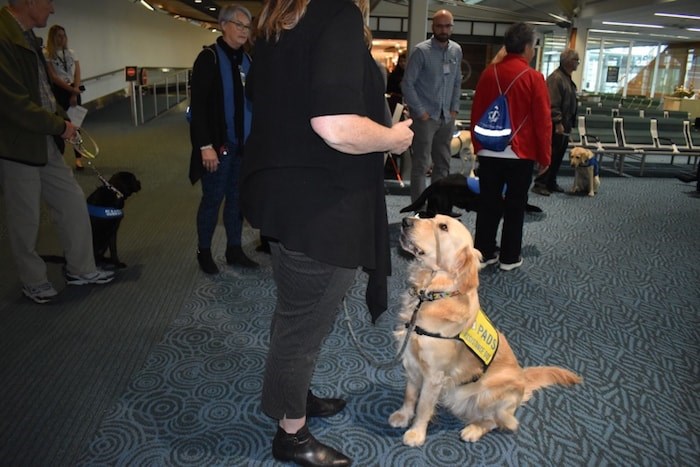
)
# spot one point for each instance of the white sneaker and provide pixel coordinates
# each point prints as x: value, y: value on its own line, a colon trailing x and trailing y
x: 511, y: 266
x: 98, y: 277
x: 42, y: 293
x: 488, y: 262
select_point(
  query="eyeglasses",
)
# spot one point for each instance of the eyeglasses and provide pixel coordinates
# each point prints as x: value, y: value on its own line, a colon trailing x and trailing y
x: 240, y: 26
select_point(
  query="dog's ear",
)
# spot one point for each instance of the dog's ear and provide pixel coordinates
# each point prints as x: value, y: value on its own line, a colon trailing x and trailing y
x: 468, y: 266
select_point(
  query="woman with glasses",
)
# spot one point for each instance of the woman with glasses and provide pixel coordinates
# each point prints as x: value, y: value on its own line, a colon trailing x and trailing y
x: 313, y: 179
x: 219, y: 126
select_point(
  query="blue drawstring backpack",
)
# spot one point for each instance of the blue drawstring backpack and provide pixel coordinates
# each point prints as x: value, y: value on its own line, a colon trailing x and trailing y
x: 493, y: 130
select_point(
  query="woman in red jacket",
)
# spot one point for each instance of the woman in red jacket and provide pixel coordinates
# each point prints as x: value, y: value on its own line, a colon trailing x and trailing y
x: 529, y: 108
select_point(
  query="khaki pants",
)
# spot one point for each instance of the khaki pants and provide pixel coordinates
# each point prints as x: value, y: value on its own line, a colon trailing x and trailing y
x: 24, y: 187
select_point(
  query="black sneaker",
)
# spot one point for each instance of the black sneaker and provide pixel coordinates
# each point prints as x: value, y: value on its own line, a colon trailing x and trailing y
x: 206, y: 262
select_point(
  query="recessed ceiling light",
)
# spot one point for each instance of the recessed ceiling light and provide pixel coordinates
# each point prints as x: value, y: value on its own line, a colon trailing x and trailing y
x: 212, y: 8
x: 635, y: 25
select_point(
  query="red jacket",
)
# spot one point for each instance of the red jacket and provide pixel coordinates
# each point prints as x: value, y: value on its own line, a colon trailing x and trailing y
x: 527, y: 98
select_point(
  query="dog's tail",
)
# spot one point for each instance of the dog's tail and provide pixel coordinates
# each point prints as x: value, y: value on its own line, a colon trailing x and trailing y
x: 538, y: 377
x: 418, y: 203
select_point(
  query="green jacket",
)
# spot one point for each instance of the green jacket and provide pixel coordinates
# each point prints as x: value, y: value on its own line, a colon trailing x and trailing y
x: 24, y: 123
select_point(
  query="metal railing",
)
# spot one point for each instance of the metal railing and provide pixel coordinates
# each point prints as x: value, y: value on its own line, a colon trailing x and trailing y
x: 159, y: 86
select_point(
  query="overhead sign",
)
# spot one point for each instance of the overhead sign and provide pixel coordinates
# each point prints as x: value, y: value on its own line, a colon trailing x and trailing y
x: 130, y: 73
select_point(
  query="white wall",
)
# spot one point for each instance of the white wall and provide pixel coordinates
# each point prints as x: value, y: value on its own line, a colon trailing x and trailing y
x: 108, y: 35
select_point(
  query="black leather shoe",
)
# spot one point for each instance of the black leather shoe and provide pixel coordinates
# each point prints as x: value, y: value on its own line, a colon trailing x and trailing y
x: 206, y: 262
x: 304, y: 449
x: 556, y: 189
x: 235, y: 256
x: 317, y: 407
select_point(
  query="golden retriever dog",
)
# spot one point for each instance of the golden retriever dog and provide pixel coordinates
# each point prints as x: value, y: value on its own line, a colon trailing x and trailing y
x: 586, y: 171
x: 443, y: 304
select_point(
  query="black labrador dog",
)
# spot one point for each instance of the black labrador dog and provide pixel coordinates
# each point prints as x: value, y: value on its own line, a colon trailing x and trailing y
x: 447, y: 193
x: 106, y: 209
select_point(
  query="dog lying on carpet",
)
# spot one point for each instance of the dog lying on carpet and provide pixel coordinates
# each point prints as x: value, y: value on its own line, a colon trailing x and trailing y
x: 455, y: 356
x: 105, y: 207
x: 446, y: 193
x: 586, y: 171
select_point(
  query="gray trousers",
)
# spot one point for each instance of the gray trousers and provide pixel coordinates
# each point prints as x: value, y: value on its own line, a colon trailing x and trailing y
x: 431, y: 144
x: 308, y: 295
x: 24, y: 187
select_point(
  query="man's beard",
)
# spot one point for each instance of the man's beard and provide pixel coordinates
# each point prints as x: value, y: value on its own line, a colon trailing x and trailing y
x: 442, y: 37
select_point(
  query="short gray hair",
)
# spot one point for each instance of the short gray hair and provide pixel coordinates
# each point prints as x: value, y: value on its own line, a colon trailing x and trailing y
x: 567, y: 55
x: 228, y: 12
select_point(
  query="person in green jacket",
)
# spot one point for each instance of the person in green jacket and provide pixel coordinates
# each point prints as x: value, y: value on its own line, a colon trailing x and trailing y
x: 32, y: 168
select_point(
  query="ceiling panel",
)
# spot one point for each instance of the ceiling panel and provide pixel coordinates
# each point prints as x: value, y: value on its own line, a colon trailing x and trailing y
x: 576, y: 12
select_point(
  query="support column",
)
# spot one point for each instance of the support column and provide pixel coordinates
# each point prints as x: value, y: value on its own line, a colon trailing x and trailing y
x: 417, y: 22
x: 578, y: 37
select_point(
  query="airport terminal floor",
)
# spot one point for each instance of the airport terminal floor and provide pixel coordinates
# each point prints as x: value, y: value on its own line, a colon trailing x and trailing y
x: 163, y: 366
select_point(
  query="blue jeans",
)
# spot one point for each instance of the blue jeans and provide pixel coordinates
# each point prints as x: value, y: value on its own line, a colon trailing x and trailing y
x: 223, y: 183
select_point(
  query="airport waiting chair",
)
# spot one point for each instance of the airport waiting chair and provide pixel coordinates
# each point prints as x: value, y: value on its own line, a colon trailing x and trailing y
x: 653, y: 113
x: 637, y: 138
x: 600, y: 135
x: 677, y: 114
x: 629, y: 112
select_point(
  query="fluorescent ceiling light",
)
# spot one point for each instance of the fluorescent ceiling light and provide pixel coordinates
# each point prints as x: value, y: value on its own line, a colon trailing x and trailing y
x: 668, y: 35
x: 693, y: 29
x: 558, y: 18
x: 673, y: 15
x: 610, y: 31
x: 636, y: 25
x: 147, y: 5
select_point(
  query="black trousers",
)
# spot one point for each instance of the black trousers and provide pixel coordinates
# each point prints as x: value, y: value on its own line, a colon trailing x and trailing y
x: 308, y: 295
x: 495, y: 174
x: 560, y: 144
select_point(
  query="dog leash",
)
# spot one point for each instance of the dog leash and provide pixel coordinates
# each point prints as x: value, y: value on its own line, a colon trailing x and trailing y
x: 78, y: 142
x: 423, y: 296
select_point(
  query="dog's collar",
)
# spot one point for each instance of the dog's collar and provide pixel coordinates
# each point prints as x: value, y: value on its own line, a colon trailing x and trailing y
x: 481, y: 338
x: 424, y: 296
x: 104, y: 212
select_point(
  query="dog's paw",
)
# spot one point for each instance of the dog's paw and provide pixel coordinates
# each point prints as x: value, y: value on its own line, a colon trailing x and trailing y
x: 414, y: 438
x: 472, y: 433
x: 590, y: 193
x: 400, y: 419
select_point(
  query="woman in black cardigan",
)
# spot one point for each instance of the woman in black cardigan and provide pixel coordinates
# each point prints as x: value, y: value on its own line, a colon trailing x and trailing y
x: 220, y: 123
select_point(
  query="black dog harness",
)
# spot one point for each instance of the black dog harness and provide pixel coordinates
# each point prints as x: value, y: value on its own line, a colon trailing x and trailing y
x: 481, y: 338
x: 104, y: 212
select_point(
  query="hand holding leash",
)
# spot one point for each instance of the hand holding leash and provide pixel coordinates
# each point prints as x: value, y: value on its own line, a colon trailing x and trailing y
x: 70, y: 131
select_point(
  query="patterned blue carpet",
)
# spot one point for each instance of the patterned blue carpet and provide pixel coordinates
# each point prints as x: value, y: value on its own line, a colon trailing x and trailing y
x: 609, y: 289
